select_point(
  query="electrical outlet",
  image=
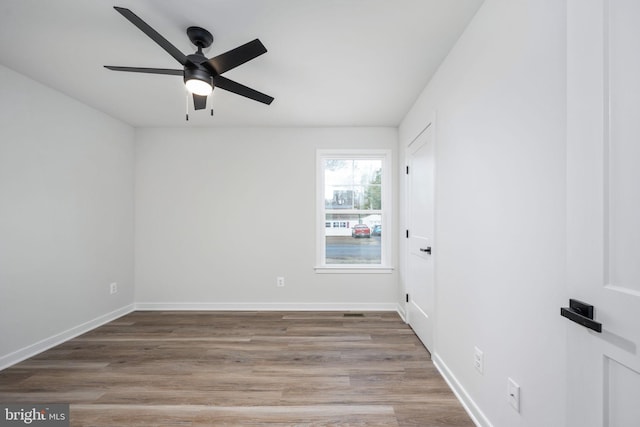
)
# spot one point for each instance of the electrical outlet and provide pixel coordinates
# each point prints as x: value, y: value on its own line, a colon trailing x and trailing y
x: 280, y: 282
x: 513, y: 394
x: 478, y: 359
x: 113, y: 288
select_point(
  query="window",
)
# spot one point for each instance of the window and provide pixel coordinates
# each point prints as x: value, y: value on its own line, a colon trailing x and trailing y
x: 353, y: 209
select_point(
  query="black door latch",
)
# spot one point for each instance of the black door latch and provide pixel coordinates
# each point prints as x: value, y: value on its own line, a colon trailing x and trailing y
x: 581, y: 313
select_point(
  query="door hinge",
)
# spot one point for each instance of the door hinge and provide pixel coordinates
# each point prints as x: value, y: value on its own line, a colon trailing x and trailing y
x: 407, y: 234
x: 407, y: 170
x: 407, y: 297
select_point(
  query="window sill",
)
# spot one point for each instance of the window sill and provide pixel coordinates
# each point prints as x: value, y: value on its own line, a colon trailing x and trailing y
x: 352, y: 269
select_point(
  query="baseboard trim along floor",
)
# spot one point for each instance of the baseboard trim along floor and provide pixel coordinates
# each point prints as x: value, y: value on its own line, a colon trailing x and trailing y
x: 467, y: 402
x: 57, y: 339
x: 278, y: 306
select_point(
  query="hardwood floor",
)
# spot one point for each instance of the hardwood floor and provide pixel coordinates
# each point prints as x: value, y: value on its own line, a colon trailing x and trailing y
x: 241, y: 369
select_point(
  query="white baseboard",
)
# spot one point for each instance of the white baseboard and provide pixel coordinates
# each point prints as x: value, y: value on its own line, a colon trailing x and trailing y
x: 402, y: 312
x: 296, y: 306
x: 54, y: 340
x: 476, y: 414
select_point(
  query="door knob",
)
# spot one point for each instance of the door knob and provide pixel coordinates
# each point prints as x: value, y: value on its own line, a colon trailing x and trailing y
x: 427, y: 250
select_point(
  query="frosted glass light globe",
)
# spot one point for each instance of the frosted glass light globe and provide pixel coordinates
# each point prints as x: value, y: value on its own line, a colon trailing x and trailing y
x: 198, y: 87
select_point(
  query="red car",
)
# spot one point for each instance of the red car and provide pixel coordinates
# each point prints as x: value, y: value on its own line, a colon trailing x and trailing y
x: 360, y: 230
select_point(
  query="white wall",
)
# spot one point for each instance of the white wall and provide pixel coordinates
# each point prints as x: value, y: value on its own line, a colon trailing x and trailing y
x: 66, y: 216
x: 499, y: 99
x: 220, y: 213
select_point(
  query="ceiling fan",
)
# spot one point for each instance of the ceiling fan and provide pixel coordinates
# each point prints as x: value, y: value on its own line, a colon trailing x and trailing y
x: 200, y: 74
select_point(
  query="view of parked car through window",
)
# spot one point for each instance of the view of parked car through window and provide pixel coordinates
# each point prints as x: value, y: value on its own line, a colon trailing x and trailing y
x: 360, y: 230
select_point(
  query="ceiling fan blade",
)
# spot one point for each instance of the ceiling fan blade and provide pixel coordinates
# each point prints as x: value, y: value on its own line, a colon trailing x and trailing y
x: 153, y: 34
x: 231, y: 86
x: 238, y: 56
x: 199, y: 102
x: 146, y: 70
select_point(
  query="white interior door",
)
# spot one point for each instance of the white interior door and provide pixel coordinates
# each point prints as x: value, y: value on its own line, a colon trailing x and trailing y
x: 603, y: 210
x: 420, y: 271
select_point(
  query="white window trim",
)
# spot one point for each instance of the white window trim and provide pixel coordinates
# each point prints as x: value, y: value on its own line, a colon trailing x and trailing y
x: 387, y: 203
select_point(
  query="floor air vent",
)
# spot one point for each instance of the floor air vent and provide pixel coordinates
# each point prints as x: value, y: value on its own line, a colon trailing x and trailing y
x: 353, y: 314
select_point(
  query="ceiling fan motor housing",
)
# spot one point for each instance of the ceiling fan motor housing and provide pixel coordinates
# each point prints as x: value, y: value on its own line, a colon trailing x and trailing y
x: 198, y: 73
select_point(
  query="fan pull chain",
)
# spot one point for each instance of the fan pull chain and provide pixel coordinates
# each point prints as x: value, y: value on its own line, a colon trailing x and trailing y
x: 210, y: 97
x: 187, y: 105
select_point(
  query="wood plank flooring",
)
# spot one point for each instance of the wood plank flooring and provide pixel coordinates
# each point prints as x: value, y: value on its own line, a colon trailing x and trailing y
x: 241, y: 369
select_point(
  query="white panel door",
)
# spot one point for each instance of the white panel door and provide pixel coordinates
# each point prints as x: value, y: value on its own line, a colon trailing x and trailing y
x: 603, y: 210
x: 420, y: 271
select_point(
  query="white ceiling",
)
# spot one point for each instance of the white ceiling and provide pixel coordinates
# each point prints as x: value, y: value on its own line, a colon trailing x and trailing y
x: 329, y: 62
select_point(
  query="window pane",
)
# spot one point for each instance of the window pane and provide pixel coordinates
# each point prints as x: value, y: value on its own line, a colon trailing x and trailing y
x: 356, y: 239
x: 338, y: 197
x: 353, y: 184
x: 369, y: 197
x: 367, y: 171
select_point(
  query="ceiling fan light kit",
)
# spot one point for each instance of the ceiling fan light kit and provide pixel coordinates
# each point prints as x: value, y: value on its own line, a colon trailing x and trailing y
x: 198, y: 82
x: 200, y: 74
